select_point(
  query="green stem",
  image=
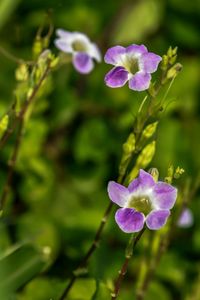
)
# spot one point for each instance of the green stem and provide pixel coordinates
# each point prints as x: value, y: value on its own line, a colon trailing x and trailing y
x: 129, y: 253
x: 25, y: 106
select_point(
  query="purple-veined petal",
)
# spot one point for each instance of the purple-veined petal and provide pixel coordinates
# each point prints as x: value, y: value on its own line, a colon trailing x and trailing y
x: 117, y: 77
x: 129, y: 220
x: 143, y: 183
x: 140, y: 81
x: 136, y: 50
x: 157, y: 219
x: 113, y: 55
x: 63, y: 45
x: 118, y: 193
x: 149, y: 62
x: 164, y: 195
x: 83, y: 62
x: 186, y: 219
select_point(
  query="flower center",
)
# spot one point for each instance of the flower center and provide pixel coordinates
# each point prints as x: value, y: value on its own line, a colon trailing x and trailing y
x: 142, y: 204
x: 131, y: 64
x: 79, y: 46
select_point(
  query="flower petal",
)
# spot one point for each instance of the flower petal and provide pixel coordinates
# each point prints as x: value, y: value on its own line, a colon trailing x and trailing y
x: 63, y: 45
x: 129, y: 220
x: 63, y: 33
x: 83, y: 62
x: 164, y: 195
x: 157, y: 219
x: 113, y: 55
x: 149, y: 62
x: 186, y: 218
x: 118, y: 193
x: 144, y: 182
x: 95, y: 52
x: 136, y: 50
x: 140, y: 81
x: 117, y: 77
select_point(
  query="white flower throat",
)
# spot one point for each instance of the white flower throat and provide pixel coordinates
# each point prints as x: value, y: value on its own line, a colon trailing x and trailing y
x: 79, y: 46
x: 130, y: 63
x: 140, y: 203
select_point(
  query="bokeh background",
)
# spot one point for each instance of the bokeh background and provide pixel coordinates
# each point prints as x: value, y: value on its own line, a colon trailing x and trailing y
x: 72, y: 146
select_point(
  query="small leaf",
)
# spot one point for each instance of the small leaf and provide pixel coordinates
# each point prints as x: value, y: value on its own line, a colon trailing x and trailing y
x: 18, y: 267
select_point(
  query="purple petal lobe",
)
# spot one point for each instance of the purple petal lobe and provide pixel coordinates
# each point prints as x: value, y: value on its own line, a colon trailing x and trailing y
x: 136, y: 50
x: 149, y: 62
x: 113, y: 55
x: 186, y: 219
x: 164, y: 195
x: 143, y: 182
x: 157, y: 219
x: 140, y: 81
x: 83, y: 62
x: 117, y: 77
x: 118, y: 193
x: 129, y: 220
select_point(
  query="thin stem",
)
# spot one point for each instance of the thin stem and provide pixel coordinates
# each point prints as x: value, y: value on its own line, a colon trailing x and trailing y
x: 123, y: 270
x: 12, y: 163
x: 27, y: 103
x: 142, y: 104
x: 14, y: 58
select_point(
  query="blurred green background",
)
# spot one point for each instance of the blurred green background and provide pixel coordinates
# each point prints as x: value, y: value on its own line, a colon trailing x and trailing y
x: 72, y: 146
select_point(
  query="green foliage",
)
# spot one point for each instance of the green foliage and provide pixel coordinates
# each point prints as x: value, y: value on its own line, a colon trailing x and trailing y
x: 17, y: 267
x: 72, y: 146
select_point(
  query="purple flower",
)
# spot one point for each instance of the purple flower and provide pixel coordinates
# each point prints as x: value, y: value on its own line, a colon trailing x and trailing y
x: 134, y: 64
x: 186, y: 219
x: 144, y: 200
x: 82, y: 49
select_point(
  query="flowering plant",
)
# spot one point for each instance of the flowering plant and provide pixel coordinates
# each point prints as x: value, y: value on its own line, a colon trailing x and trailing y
x: 143, y: 201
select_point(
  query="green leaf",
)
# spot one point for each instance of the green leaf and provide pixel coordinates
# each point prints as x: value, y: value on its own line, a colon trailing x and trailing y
x: 18, y: 267
x: 83, y: 289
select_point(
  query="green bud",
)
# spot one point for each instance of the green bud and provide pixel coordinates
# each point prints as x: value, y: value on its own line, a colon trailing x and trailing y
x: 174, y: 51
x: 154, y: 173
x: 164, y: 63
x: 178, y: 172
x: 3, y: 125
x: 170, y: 174
x: 146, y: 155
x: 129, y: 145
x: 143, y: 160
x: 21, y: 73
x: 149, y: 130
x: 173, y: 71
x: 37, y: 46
x: 170, y: 52
x: 172, y: 59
